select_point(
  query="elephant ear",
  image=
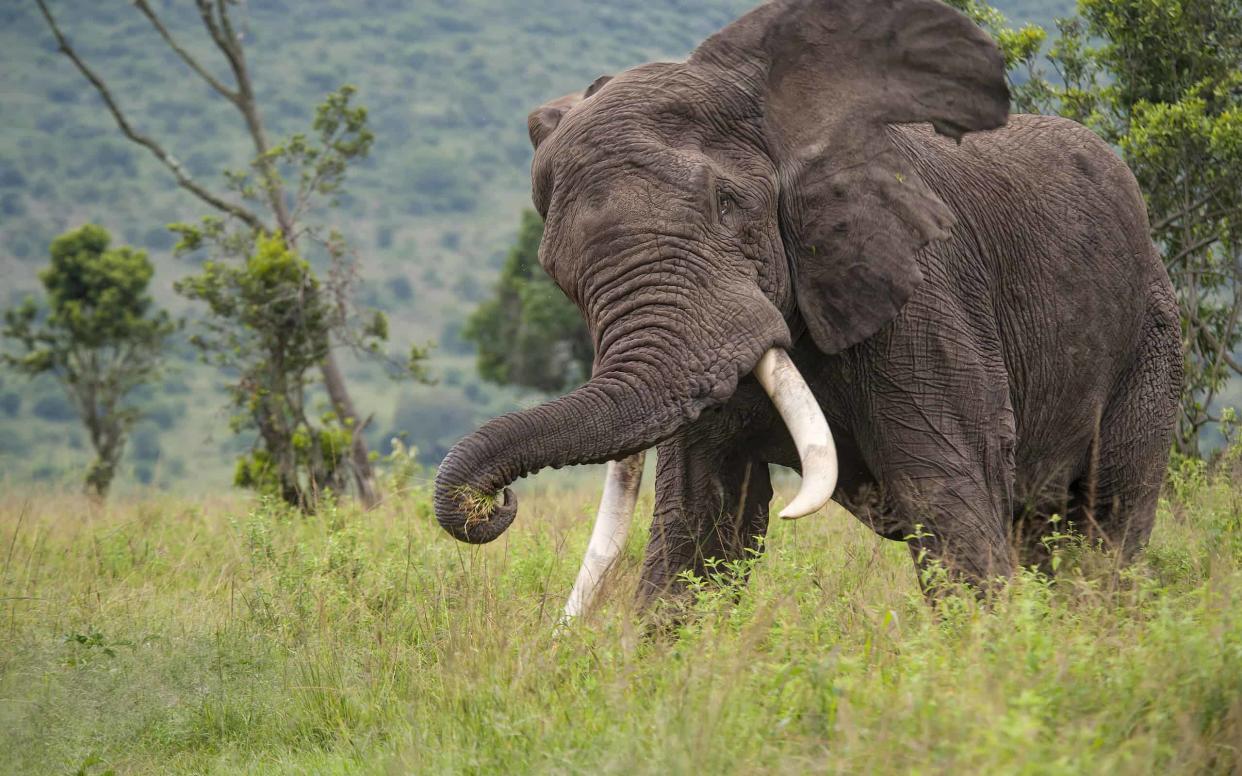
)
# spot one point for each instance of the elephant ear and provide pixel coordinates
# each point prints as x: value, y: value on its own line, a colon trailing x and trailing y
x: 829, y: 77
x: 544, y: 120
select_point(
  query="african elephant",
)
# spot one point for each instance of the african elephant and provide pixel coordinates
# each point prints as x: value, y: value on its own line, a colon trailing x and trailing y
x: 959, y: 319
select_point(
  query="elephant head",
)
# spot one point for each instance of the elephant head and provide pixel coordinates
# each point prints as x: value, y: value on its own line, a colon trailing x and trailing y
x: 702, y: 214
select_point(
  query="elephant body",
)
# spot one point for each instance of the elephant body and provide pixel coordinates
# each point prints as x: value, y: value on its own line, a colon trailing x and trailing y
x: 982, y: 409
x: 972, y: 300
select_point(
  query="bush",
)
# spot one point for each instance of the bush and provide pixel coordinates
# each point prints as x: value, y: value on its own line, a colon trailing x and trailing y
x: 145, y: 443
x: 10, y: 403
x: 163, y: 415
x: 55, y: 407
x: 432, y: 420
x: 401, y: 289
x: 440, y: 184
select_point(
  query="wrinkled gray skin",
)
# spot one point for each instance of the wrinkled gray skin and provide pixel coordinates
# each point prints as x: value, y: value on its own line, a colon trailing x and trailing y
x: 985, y: 323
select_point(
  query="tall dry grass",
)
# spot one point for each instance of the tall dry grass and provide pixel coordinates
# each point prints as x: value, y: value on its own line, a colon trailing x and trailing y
x: 228, y: 636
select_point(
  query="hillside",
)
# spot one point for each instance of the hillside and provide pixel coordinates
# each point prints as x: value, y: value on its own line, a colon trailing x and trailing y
x: 448, y: 85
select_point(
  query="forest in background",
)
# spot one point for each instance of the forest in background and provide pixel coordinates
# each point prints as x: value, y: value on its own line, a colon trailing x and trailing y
x: 432, y: 210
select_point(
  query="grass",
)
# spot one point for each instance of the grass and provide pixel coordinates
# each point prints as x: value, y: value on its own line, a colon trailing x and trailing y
x: 228, y: 636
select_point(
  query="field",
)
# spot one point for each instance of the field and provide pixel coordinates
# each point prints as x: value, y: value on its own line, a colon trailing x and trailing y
x: 228, y: 636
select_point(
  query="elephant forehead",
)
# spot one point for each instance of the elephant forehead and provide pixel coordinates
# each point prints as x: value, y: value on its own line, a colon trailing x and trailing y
x: 656, y: 123
x: 655, y: 104
x: 664, y: 123
x: 627, y: 175
x: 657, y: 94
x: 632, y: 209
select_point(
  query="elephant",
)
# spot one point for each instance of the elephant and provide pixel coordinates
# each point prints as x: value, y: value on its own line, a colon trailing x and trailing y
x: 822, y: 242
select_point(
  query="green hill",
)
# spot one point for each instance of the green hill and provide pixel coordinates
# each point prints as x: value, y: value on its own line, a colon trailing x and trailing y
x: 448, y: 85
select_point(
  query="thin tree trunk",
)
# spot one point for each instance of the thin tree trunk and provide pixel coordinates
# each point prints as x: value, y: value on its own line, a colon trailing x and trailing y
x: 333, y: 379
x: 364, y: 473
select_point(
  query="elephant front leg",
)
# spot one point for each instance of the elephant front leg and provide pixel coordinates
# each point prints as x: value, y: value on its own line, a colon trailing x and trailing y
x: 710, y: 504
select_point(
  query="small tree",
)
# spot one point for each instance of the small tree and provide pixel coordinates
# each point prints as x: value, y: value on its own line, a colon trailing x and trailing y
x: 99, y: 337
x: 271, y: 319
x: 529, y: 334
x: 278, y: 192
x: 268, y: 325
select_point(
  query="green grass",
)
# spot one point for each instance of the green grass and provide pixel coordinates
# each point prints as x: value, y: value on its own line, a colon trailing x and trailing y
x: 161, y: 636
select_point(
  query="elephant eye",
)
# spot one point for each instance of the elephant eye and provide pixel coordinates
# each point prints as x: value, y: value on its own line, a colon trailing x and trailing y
x: 724, y: 206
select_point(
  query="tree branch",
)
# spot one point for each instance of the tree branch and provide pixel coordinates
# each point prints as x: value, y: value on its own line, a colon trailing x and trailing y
x: 220, y: 27
x: 1221, y: 347
x: 213, y: 29
x: 186, y: 57
x: 168, y: 160
x: 1195, y: 246
x: 1173, y: 218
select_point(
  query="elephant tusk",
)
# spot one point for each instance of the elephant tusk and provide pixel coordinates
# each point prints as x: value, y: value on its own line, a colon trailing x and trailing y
x: 612, y: 528
x: 806, y: 424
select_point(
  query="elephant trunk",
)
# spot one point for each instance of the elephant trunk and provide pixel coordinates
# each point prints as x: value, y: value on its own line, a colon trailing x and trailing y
x: 656, y: 372
x: 612, y: 416
x: 616, y: 414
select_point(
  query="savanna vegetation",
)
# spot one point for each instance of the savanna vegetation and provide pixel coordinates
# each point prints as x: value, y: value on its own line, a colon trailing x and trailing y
x: 232, y: 636
x: 188, y: 628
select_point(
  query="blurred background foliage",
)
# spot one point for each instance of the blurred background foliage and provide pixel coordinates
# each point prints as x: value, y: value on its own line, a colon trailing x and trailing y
x: 433, y: 210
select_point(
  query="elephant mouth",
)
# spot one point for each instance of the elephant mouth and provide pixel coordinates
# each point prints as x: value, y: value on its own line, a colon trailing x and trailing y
x: 803, y: 417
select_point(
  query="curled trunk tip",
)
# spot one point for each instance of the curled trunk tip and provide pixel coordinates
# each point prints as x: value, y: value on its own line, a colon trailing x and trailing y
x: 470, y: 514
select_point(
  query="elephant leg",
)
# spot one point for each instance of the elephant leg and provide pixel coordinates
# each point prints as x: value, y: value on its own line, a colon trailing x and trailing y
x: 954, y: 525
x: 940, y: 440
x: 710, y: 503
x: 1115, y: 500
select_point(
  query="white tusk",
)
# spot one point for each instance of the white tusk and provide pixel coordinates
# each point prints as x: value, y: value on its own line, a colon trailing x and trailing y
x: 805, y: 421
x: 612, y: 528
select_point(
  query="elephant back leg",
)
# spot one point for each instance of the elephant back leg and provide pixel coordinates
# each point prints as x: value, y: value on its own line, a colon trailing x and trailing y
x: 1115, y: 499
